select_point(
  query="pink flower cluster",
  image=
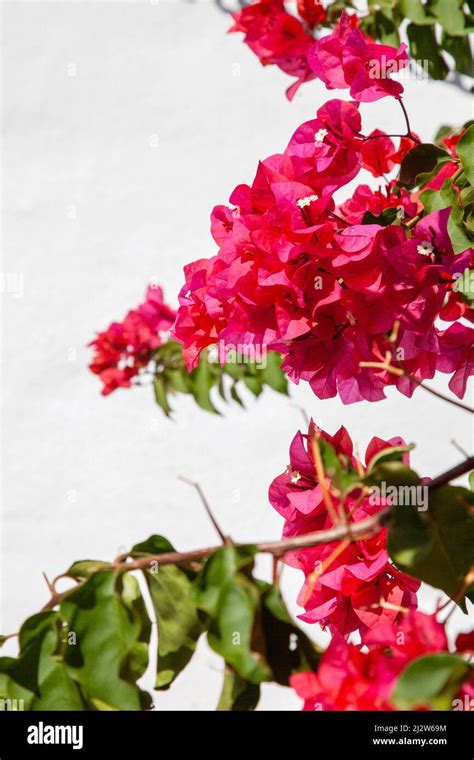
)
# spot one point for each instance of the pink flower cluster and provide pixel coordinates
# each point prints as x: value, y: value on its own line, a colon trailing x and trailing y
x: 126, y: 347
x: 298, y: 275
x: 346, y: 58
x: 363, y: 677
x: 352, y: 590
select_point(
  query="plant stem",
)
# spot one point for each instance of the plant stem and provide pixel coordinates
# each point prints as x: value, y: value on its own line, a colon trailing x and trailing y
x: 350, y: 532
x: 407, y: 122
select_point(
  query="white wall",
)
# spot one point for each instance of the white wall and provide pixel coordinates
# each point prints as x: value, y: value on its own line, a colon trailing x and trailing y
x: 85, y: 476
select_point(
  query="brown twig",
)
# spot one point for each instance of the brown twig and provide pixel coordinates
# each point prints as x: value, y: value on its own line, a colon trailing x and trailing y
x: 358, y: 530
x: 400, y: 372
x: 205, y: 503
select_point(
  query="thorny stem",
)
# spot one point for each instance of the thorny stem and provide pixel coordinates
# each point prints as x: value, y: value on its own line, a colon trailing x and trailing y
x: 369, y: 526
x: 205, y: 503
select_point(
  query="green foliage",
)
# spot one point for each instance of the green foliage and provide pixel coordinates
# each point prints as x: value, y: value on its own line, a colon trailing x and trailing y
x: 91, y: 652
x: 39, y: 675
x: 110, y: 628
x: 338, y: 468
x: 436, y: 545
x: 421, y: 164
x: 171, y: 377
x: 237, y: 694
x: 430, y: 681
x: 465, y: 151
x: 177, y: 619
x: 447, y: 197
x: 249, y: 626
x: 435, y: 28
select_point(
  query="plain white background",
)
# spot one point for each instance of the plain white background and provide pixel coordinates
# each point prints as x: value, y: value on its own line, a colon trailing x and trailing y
x: 123, y: 124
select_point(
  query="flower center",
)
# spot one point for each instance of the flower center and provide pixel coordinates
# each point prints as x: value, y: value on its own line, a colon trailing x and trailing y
x: 425, y: 248
x: 295, y: 475
x: 320, y: 135
x: 303, y: 202
x: 350, y: 318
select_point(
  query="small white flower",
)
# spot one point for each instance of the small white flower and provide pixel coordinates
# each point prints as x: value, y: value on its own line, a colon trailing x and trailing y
x: 128, y: 362
x: 320, y: 135
x: 425, y: 248
x: 400, y: 213
x: 303, y: 202
x: 350, y: 318
x: 295, y: 477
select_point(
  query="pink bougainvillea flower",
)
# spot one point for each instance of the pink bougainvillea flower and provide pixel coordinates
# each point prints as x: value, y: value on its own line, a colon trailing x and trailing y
x: 276, y: 37
x: 311, y: 11
x: 352, y: 589
x: 121, y: 351
x: 456, y: 354
x: 363, y: 676
x: 320, y: 285
x: 326, y: 151
x: 346, y: 58
x: 377, y: 153
x: 365, y: 199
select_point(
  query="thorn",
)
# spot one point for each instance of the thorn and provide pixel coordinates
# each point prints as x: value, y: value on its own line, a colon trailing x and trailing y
x: 459, y: 448
x: 48, y: 583
x: 303, y: 413
x: 225, y: 539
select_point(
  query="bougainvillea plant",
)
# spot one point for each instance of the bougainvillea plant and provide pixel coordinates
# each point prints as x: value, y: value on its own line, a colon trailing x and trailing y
x: 350, y: 296
x: 294, y: 36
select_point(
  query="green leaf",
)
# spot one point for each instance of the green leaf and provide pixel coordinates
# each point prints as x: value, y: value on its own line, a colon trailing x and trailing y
x: 424, y: 47
x: 177, y: 380
x: 202, y: 380
x: 446, y: 197
x: 288, y: 650
x: 421, y: 163
x: 159, y: 386
x: 471, y: 480
x: 107, y: 631
x: 254, y: 385
x: 84, y: 568
x: 137, y: 663
x: 465, y: 286
x: 465, y: 152
x: 460, y: 49
x: 443, y: 131
x: 38, y: 676
x: 234, y: 394
x: 237, y: 693
x: 230, y: 633
x: 338, y: 469
x: 392, y: 472
x: 415, y: 11
x: 386, y: 217
x: 386, y: 29
x: 436, y: 545
x: 432, y: 680
x: 220, y: 570
x: 390, y: 454
x: 225, y: 591
x: 177, y: 619
x: 449, y: 15
x: 272, y: 374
